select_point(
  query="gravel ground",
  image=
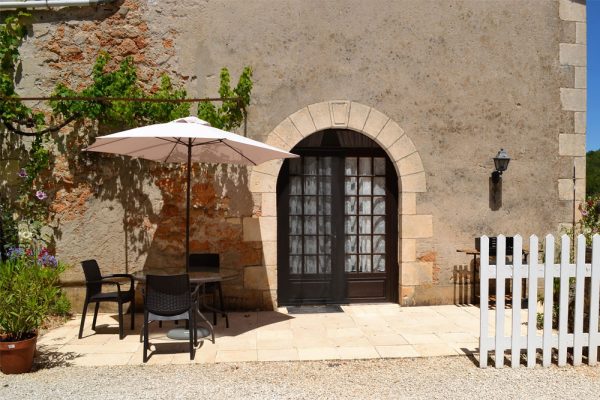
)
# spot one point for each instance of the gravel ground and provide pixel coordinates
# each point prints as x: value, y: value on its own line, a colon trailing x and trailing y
x: 431, y: 378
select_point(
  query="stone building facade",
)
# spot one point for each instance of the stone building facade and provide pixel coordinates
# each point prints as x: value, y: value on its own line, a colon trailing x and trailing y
x: 438, y: 86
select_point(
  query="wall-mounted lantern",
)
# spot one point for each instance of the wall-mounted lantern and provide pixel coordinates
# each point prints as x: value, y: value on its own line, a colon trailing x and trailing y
x: 501, y: 163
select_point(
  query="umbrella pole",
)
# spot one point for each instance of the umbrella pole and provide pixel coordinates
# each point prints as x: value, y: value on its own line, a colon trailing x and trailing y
x: 187, y: 207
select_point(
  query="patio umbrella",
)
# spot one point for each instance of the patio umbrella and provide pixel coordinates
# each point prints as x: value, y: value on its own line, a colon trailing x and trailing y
x: 187, y: 140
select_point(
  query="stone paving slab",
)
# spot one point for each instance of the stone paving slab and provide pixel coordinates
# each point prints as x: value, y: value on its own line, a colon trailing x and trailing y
x: 360, y: 332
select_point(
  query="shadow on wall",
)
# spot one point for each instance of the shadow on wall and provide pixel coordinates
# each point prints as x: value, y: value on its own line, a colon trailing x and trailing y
x: 81, y: 175
x: 129, y: 214
x: 495, y: 193
x: 220, y: 202
x: 465, y: 287
x: 10, y: 158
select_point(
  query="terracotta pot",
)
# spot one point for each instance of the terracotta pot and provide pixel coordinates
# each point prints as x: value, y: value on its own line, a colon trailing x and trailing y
x: 17, y: 357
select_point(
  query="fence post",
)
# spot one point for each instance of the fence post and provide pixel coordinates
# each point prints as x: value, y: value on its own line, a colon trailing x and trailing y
x: 484, y: 270
x: 500, y: 293
x: 516, y: 301
x: 548, y: 301
x: 532, y: 302
x: 579, y: 292
x: 594, y: 297
x: 563, y: 312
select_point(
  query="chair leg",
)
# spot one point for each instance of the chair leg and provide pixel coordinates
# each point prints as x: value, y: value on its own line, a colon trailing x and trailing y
x: 214, y: 304
x: 85, y: 306
x: 192, y: 331
x: 95, y: 316
x: 133, y: 313
x: 121, y: 330
x: 145, y: 333
x: 222, y: 305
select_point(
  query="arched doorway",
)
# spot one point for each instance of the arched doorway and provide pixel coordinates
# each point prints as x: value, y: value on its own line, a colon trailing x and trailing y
x: 337, y: 221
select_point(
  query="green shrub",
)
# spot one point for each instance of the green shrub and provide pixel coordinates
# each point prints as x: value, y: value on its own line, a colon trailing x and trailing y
x: 29, y: 290
x: 61, y: 305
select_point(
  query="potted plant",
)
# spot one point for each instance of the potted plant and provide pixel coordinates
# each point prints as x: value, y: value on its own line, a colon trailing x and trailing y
x: 29, y: 288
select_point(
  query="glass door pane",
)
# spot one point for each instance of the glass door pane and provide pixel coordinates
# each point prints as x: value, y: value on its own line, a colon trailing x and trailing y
x: 364, y: 215
x: 310, y: 204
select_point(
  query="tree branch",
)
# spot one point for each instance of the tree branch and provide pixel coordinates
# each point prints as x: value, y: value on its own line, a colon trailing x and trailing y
x: 56, y: 128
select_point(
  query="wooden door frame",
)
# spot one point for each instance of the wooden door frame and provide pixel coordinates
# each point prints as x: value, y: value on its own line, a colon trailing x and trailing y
x: 391, y: 220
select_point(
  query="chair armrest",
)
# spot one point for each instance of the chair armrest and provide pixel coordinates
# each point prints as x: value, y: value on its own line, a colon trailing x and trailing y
x: 128, y: 276
x: 105, y: 282
x: 113, y: 283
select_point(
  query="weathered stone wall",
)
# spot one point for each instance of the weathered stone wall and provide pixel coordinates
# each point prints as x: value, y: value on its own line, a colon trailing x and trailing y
x: 461, y: 78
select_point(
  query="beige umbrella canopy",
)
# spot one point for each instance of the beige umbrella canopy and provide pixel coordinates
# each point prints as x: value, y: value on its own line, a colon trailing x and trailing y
x: 187, y: 140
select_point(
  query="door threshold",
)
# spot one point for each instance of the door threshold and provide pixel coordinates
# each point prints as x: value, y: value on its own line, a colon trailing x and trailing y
x: 318, y: 309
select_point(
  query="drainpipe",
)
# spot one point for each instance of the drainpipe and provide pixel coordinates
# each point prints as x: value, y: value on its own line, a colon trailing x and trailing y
x: 51, y: 3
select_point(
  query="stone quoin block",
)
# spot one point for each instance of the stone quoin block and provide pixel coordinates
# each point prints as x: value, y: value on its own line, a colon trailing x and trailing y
x: 565, y: 189
x: 581, y: 32
x: 408, y: 250
x: 250, y: 229
x: 580, y: 122
x: 256, y: 277
x: 414, y: 183
x: 269, y: 168
x: 573, y: 99
x: 571, y: 145
x: 269, y: 249
x: 410, y: 164
x: 416, y: 273
x: 580, y: 77
x: 572, y: 10
x: 268, y: 205
x: 408, y: 203
x: 572, y: 54
x: 262, y: 183
x: 416, y: 226
x: 268, y: 228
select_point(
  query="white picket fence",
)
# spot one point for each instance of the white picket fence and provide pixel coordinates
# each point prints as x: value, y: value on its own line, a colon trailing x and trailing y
x: 561, y: 339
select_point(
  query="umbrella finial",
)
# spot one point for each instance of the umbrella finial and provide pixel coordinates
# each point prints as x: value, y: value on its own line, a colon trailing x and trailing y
x: 192, y: 120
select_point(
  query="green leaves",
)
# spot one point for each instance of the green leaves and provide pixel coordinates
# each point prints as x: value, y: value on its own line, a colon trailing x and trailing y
x: 121, y: 83
x: 27, y: 295
x: 231, y: 113
x: 107, y: 82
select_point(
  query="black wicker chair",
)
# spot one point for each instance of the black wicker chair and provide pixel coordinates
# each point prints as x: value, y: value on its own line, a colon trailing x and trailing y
x: 170, y: 298
x: 210, y: 262
x: 94, y: 294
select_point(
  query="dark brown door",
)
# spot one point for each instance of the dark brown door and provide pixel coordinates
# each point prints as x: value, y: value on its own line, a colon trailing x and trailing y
x: 337, y: 208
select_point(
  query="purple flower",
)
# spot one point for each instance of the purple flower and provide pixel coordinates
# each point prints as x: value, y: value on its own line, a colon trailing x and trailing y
x: 15, y: 252
x: 584, y: 213
x: 40, y: 195
x: 22, y: 173
x: 47, y: 260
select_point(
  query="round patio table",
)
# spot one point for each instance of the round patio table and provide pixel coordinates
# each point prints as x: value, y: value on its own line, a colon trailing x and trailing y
x: 197, y: 278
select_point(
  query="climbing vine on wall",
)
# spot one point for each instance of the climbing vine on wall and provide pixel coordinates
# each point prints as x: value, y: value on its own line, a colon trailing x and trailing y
x: 31, y: 134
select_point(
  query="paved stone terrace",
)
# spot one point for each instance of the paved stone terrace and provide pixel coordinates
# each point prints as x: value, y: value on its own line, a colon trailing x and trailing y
x: 360, y: 332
